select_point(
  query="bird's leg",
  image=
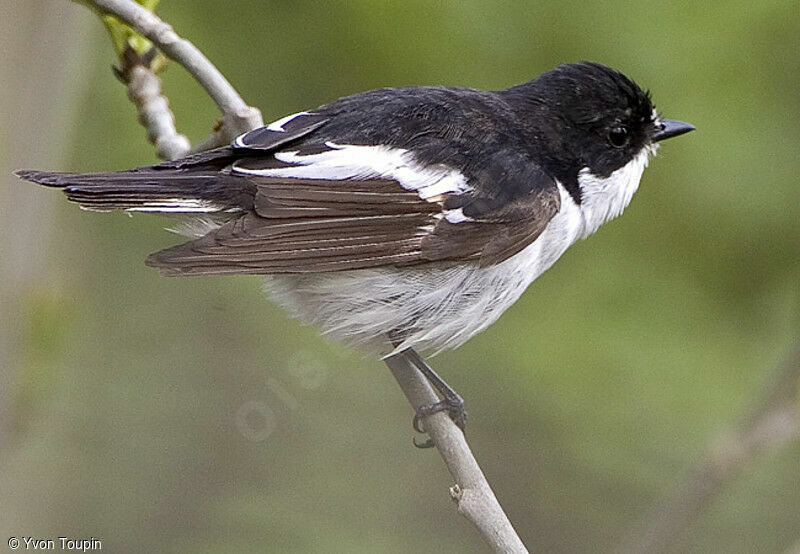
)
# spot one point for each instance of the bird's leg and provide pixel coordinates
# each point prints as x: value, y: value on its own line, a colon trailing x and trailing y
x: 451, y: 401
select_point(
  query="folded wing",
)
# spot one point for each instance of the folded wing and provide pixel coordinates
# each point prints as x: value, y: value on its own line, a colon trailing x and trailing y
x: 322, y: 207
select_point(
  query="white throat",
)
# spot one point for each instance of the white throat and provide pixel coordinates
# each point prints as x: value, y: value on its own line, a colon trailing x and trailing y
x: 604, y: 198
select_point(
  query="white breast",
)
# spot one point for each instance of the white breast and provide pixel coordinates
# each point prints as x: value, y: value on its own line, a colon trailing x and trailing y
x: 439, y: 308
x: 604, y: 198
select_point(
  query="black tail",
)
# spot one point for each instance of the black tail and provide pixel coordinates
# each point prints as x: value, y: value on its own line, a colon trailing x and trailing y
x: 198, y: 184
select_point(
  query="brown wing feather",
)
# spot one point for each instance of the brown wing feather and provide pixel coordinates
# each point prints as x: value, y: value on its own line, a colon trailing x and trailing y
x: 498, y: 236
x: 316, y: 225
x: 282, y: 198
x: 292, y: 244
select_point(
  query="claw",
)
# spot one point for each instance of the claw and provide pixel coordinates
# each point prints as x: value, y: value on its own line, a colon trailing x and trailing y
x: 453, y: 405
x: 417, y: 424
x: 451, y: 402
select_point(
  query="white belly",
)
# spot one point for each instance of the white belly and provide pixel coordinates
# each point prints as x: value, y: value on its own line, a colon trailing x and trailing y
x: 434, y: 308
x: 438, y: 308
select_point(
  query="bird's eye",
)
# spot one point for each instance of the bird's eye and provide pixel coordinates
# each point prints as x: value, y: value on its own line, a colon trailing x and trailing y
x: 618, y: 136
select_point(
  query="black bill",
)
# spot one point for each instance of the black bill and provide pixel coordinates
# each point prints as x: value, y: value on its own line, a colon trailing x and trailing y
x: 670, y: 128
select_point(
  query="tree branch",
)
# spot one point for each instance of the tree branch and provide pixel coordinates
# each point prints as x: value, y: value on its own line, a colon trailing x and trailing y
x: 771, y: 423
x: 237, y: 116
x: 144, y: 90
x: 475, y: 498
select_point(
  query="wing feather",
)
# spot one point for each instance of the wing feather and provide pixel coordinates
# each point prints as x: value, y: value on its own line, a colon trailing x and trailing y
x: 280, y: 132
x: 304, y: 224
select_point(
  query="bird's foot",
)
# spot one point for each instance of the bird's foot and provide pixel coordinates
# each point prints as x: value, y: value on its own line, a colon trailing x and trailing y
x: 452, y: 403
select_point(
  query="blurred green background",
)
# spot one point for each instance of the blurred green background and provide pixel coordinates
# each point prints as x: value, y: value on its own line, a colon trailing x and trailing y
x: 192, y: 415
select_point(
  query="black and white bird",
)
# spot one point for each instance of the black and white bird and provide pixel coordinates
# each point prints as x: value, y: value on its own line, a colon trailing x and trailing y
x: 403, y: 217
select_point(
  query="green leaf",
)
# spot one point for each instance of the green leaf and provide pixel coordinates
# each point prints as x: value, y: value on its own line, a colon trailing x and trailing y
x: 123, y: 35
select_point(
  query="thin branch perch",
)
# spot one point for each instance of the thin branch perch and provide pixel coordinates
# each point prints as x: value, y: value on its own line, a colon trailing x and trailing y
x: 475, y: 498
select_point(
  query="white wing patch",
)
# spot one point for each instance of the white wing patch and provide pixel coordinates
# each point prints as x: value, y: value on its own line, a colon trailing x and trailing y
x: 277, y: 126
x: 456, y: 216
x: 345, y: 161
x: 177, y: 205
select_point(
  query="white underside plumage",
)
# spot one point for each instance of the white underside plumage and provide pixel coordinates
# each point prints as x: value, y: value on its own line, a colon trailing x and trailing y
x: 436, y: 307
x: 441, y: 307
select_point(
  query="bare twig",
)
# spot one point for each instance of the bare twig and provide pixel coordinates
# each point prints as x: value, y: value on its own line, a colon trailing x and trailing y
x: 771, y: 423
x: 144, y: 90
x: 475, y: 498
x: 237, y: 116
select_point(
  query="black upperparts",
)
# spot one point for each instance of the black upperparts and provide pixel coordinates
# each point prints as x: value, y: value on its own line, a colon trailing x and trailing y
x: 584, y: 115
x: 575, y: 116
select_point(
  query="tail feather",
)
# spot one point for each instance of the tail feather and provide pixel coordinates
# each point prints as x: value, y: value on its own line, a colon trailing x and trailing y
x: 161, y: 188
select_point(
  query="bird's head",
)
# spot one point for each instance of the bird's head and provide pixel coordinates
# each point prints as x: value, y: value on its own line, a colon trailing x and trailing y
x: 589, y: 119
